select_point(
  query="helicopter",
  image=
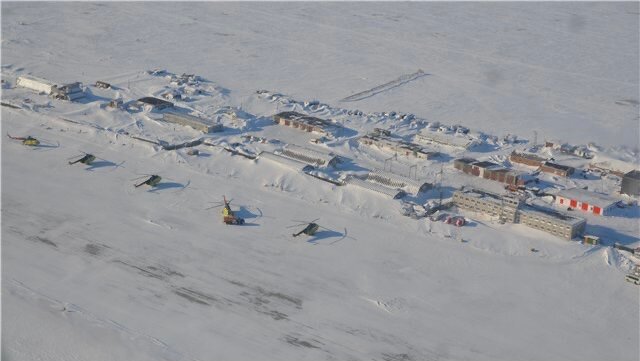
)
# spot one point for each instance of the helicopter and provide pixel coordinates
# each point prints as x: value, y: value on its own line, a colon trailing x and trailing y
x: 86, y: 159
x: 310, y: 229
x: 228, y: 216
x: 151, y: 181
x: 28, y: 140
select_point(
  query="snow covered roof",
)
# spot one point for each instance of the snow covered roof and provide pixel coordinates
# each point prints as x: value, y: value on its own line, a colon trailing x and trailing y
x: 446, y: 139
x: 592, y: 198
x: 287, y: 162
x: 546, y: 212
x: 391, y: 192
x: 322, y: 157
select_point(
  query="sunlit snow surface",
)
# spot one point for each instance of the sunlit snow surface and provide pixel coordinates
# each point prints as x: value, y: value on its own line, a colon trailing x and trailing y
x: 95, y: 269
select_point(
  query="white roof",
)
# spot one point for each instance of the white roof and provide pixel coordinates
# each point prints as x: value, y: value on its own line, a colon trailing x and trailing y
x: 592, y: 198
x: 287, y: 162
x: 392, y: 192
x: 605, y: 162
x: 448, y: 139
x: 311, y: 153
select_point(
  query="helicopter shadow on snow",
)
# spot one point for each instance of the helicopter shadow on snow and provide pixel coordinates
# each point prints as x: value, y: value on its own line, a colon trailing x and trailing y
x: 244, y: 212
x: 325, y: 237
x: 103, y: 164
x: 163, y: 186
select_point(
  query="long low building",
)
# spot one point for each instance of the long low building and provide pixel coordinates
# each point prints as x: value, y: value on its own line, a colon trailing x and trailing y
x: 397, y: 146
x: 503, y: 207
x: 201, y: 124
x: 550, y: 221
x: 587, y: 201
x: 305, y: 122
x: 452, y: 140
x: 510, y: 209
x: 394, y: 193
x: 33, y: 83
x: 310, y: 156
x: 490, y: 170
x: 398, y: 181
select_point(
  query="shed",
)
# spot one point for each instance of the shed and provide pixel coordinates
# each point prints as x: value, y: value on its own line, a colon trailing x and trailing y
x: 589, y: 239
x: 102, y: 84
x: 631, y: 183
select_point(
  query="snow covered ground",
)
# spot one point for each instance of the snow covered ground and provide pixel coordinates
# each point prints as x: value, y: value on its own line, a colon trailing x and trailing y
x: 93, y: 268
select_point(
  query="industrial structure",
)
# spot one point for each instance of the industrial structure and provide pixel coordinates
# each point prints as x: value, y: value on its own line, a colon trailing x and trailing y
x: 511, y: 209
x: 631, y: 183
x: 201, y: 124
x: 305, y: 122
x: 587, y: 201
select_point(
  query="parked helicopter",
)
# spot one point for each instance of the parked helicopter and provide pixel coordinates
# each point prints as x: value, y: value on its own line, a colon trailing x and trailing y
x: 151, y: 181
x: 28, y: 140
x: 310, y: 229
x: 228, y: 216
x: 86, y: 159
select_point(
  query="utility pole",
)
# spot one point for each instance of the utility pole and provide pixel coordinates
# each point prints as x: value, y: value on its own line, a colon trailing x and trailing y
x: 440, y: 189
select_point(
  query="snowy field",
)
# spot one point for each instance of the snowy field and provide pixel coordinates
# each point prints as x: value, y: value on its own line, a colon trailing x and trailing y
x: 95, y: 269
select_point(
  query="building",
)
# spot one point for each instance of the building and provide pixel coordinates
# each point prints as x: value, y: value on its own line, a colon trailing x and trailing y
x: 33, y: 83
x: 453, y: 140
x: 394, y: 193
x: 503, y: 207
x: 526, y: 159
x: 587, y: 201
x: 305, y: 122
x: 155, y: 103
x: 631, y: 183
x: 397, y: 146
x: 69, y: 92
x: 293, y: 164
x: 550, y: 221
x: 102, y: 84
x: 557, y: 169
x: 201, y: 124
x: 490, y: 170
x: 510, y: 209
x: 309, y: 156
x: 393, y: 180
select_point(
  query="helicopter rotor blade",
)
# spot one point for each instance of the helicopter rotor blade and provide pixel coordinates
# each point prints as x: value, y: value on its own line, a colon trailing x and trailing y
x: 142, y: 176
x: 297, y: 220
x: 297, y: 225
x: 75, y: 156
